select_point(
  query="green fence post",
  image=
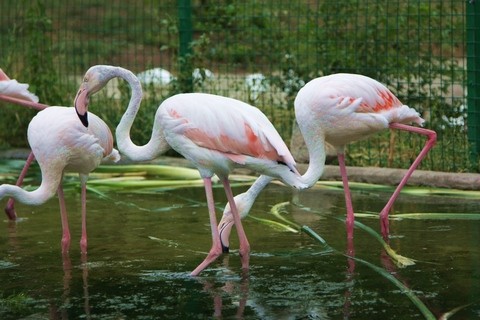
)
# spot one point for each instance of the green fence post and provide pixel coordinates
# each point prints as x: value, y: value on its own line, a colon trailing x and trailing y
x: 473, y: 76
x: 185, y: 39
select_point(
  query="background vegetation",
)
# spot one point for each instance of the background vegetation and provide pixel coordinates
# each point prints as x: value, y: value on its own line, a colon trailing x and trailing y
x: 417, y: 48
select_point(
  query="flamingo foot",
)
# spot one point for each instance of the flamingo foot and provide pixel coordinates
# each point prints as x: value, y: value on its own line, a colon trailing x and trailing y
x: 245, y: 258
x: 384, y: 224
x: 244, y: 252
x: 214, y: 253
x: 10, y: 209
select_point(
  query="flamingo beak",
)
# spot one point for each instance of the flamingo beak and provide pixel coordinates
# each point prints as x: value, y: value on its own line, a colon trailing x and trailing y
x: 81, y: 104
x: 224, y: 229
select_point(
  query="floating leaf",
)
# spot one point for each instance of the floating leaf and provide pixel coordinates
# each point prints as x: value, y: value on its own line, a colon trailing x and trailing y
x: 411, y: 190
x: 280, y: 207
x: 274, y: 224
x: 152, y: 170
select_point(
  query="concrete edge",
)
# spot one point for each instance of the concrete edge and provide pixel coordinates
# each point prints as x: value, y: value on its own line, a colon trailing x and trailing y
x: 374, y: 175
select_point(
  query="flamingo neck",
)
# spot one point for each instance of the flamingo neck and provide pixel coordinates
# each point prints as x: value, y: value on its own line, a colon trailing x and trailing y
x: 249, y: 197
x: 315, y: 142
x: 46, y: 190
x: 156, y: 145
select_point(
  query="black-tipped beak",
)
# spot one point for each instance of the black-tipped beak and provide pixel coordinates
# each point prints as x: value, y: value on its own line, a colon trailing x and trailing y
x: 83, y: 118
x: 225, y: 249
x: 223, y: 226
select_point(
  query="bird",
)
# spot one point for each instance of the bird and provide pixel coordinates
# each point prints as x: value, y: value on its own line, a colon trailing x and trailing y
x: 339, y: 109
x: 12, y: 91
x: 215, y: 133
x: 61, y: 143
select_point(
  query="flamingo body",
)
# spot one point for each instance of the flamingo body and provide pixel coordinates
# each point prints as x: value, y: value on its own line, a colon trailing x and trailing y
x: 215, y: 133
x: 61, y: 143
x: 349, y: 107
x: 218, y: 133
x: 339, y: 109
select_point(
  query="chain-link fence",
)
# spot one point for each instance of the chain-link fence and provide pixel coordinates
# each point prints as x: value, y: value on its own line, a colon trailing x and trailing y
x: 261, y: 52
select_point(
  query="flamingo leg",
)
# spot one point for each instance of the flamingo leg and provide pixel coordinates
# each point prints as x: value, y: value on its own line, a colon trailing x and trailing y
x: 216, y: 249
x: 350, y: 221
x: 83, y: 239
x: 65, y: 228
x: 431, y: 139
x: 244, y: 246
x: 10, y: 207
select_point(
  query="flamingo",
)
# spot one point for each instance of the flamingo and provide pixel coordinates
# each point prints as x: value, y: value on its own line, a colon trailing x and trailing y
x: 12, y: 91
x: 338, y: 109
x: 61, y: 143
x: 215, y: 133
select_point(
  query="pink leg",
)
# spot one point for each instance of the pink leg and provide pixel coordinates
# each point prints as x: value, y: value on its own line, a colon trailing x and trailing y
x: 10, y: 207
x: 65, y: 228
x: 348, y: 198
x: 216, y: 249
x: 244, y: 249
x: 431, y: 139
x: 83, y: 239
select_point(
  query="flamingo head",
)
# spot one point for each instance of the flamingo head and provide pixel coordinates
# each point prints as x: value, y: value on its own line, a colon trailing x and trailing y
x: 94, y: 80
x: 243, y: 202
x: 224, y: 230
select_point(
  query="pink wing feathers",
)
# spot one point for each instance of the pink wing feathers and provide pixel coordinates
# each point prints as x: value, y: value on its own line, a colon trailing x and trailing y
x: 227, y: 125
x: 361, y: 94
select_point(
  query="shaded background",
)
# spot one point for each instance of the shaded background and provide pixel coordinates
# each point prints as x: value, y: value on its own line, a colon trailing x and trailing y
x: 418, y: 48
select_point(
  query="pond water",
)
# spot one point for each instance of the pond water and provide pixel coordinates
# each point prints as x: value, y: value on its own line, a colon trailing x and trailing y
x: 142, y: 246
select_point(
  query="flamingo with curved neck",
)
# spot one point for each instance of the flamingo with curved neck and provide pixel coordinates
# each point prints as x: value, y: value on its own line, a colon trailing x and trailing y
x: 339, y: 109
x: 60, y: 143
x: 215, y: 133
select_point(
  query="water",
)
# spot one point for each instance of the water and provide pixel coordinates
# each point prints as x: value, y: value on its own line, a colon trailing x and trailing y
x: 143, y: 246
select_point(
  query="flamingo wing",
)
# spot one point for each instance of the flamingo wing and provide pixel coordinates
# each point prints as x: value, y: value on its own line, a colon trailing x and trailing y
x: 226, y: 125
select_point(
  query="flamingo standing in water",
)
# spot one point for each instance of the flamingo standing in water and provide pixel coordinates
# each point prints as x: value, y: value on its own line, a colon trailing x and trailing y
x: 61, y: 143
x: 215, y: 133
x: 339, y: 109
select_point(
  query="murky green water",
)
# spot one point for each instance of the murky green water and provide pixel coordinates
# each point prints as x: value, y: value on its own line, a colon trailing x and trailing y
x: 143, y: 246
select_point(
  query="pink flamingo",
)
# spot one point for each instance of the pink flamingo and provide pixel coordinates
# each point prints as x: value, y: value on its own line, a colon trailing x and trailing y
x: 215, y: 133
x: 61, y: 143
x: 339, y: 109
x: 12, y: 91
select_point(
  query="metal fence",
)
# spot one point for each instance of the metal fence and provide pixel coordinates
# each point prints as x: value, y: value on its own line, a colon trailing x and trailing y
x: 261, y: 52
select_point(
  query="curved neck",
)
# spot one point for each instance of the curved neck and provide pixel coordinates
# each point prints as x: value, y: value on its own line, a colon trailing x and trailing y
x: 156, y: 145
x: 315, y: 142
x: 46, y: 190
x: 255, y: 189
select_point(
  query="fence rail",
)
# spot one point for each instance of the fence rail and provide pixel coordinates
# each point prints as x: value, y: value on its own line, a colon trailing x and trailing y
x: 261, y: 52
